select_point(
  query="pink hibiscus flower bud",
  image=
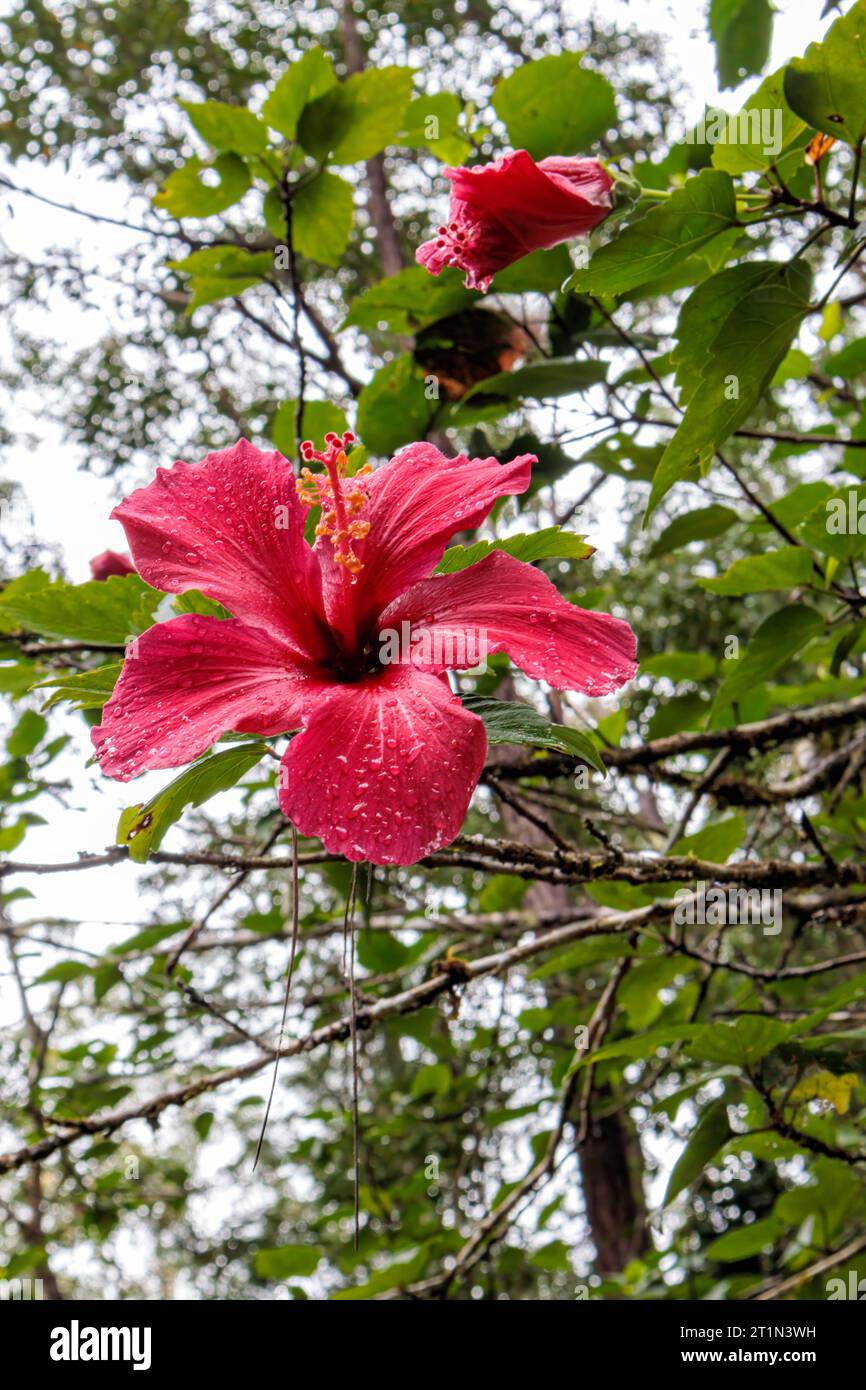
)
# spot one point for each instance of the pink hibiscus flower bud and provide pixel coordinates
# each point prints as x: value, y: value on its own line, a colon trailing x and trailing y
x: 502, y: 211
x: 110, y: 562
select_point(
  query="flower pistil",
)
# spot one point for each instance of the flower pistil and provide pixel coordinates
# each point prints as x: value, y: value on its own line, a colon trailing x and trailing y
x: 341, y: 499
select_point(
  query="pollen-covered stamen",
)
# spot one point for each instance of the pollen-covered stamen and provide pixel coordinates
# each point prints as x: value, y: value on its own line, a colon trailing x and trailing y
x: 341, y: 499
x: 454, y: 241
x: 465, y: 242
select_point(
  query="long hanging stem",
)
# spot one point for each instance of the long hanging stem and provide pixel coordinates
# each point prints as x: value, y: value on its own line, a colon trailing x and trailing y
x: 291, y: 970
x: 349, y: 950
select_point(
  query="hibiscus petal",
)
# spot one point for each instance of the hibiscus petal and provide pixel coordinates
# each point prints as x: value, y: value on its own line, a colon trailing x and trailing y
x: 417, y: 502
x: 231, y: 526
x: 502, y: 604
x: 189, y: 680
x: 588, y: 177
x: 384, y: 770
x: 541, y: 203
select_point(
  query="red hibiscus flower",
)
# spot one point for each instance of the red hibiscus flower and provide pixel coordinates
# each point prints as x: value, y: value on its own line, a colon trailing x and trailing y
x: 502, y: 211
x: 387, y: 758
x: 110, y: 562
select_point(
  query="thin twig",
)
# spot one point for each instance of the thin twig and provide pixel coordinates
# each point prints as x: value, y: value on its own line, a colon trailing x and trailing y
x: 289, y: 974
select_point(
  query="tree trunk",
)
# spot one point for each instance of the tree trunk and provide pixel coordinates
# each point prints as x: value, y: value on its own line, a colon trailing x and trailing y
x: 610, y: 1169
x: 391, y: 256
x: 610, y: 1156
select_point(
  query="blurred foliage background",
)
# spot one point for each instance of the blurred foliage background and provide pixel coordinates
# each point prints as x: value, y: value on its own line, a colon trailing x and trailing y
x: 639, y: 1112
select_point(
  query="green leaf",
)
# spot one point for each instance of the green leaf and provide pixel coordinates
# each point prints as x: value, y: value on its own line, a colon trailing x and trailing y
x: 274, y: 214
x: 743, y: 1043
x: 494, y: 1118
x: 849, y: 362
x: 619, y: 897
x: 716, y: 842
x: 287, y: 1262
x: 766, y: 136
x: 400, y: 1272
x: 203, y: 1123
x: 409, y: 300
x: 501, y: 892
x: 509, y: 722
x: 542, y: 381
x: 358, y: 118
x: 12, y: 835
x: 225, y: 261
x: 142, y: 827
x: 583, y: 953
x: 640, y: 1048
x: 306, y: 79
x: 678, y: 714
x: 185, y: 195
x: 433, y: 1080
x: 795, y: 506
x: 322, y: 213
x: 433, y: 121
x: 63, y: 972
x: 745, y: 1241
x: 144, y: 940
x: 393, y: 408
x: 111, y: 610
x: 86, y: 1098
x: 320, y: 418
x: 220, y: 272
x: 229, y: 129
x: 703, y: 524
x: 742, y: 31
x: 827, y: 87
x: 662, y: 239
x: 554, y: 106
x: 16, y: 678
x: 794, y: 366
x: 545, y: 271
x: 381, y: 952
x: 679, y: 666
x: 549, y: 543
x: 193, y: 601
x: 22, y: 1262
x: 786, y: 568
x: 740, y: 363
x: 703, y: 315
x: 553, y: 1257
x: 776, y: 641
x: 209, y: 289
x: 27, y: 734
x: 710, y: 1133
x: 640, y: 992
x: 619, y: 455
x: 31, y: 582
